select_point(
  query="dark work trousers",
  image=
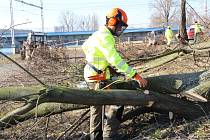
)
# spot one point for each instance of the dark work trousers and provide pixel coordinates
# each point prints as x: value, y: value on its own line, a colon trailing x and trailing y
x: 197, y: 37
x: 111, y: 119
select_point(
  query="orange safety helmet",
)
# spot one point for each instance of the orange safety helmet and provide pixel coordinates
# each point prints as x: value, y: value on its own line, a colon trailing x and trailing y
x: 116, y: 15
x: 118, y: 18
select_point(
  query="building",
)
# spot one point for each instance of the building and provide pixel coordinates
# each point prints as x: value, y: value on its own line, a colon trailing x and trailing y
x: 74, y: 38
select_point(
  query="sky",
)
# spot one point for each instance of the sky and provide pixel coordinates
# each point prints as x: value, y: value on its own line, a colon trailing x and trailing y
x: 138, y: 11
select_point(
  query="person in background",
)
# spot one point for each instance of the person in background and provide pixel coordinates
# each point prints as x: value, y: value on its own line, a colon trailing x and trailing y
x: 197, y: 32
x: 151, y: 38
x: 169, y: 35
x: 102, y: 56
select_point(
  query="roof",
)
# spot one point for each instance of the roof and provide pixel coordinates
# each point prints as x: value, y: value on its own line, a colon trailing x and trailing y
x: 134, y: 30
x: 90, y: 32
x: 70, y: 33
x: 143, y: 30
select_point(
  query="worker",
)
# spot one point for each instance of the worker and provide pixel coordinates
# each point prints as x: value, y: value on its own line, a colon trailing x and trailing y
x: 28, y: 46
x: 197, y: 32
x: 29, y: 37
x: 151, y: 38
x: 169, y: 35
x: 101, y: 53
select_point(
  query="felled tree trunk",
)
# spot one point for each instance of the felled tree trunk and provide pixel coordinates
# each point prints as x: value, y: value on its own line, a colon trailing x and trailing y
x: 157, y: 100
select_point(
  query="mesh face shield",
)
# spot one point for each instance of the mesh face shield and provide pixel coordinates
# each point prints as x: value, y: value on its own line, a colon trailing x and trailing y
x: 119, y: 28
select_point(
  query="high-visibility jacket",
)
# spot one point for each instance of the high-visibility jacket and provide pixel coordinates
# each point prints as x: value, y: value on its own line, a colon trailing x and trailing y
x: 100, y: 51
x: 169, y: 34
x: 197, y: 28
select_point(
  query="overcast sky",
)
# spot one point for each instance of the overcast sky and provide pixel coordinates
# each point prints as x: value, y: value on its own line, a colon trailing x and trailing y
x: 138, y: 11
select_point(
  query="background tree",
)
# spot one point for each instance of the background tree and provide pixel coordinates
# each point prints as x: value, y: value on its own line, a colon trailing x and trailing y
x: 183, y: 32
x: 156, y: 21
x: 164, y: 11
x: 72, y: 22
x: 68, y: 21
x: 88, y: 23
x: 190, y: 16
x: 94, y: 20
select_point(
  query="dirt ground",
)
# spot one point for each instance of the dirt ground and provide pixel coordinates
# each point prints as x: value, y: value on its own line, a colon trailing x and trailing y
x: 68, y: 71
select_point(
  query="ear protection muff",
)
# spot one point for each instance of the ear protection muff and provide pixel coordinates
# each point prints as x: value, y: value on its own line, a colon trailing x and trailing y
x: 112, y: 21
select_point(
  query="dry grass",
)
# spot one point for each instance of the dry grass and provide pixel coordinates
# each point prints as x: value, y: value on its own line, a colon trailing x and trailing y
x: 59, y: 67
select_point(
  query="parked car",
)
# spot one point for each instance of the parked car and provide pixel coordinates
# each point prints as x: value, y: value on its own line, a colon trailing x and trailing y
x: 190, y: 32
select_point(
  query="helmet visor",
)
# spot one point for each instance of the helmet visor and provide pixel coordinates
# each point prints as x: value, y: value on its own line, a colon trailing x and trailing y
x: 120, y: 27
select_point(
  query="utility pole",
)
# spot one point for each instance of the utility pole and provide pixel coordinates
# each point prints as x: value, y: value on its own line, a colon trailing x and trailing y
x: 42, y: 15
x: 206, y: 10
x: 40, y: 7
x: 12, y: 28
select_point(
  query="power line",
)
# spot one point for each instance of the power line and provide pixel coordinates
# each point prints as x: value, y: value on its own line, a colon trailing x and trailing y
x: 29, y: 4
x: 195, y: 12
x: 95, y: 5
x: 40, y: 7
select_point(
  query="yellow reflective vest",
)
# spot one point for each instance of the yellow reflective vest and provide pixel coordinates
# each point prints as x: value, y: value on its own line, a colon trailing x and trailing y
x: 197, y: 28
x: 169, y: 34
x: 100, y: 51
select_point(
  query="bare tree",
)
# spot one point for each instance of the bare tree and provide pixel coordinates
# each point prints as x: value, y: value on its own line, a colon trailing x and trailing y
x: 155, y: 20
x: 68, y: 21
x: 88, y: 23
x: 165, y: 10
x: 94, y: 21
x: 72, y: 22
x: 190, y: 16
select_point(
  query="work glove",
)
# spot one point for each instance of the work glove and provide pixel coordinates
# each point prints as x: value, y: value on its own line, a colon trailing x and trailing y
x: 142, y: 82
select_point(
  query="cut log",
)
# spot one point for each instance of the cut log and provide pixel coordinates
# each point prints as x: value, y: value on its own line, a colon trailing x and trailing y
x: 157, y: 62
x: 45, y: 109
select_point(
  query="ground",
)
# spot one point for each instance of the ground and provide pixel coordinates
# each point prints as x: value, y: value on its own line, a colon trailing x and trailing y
x: 55, y: 69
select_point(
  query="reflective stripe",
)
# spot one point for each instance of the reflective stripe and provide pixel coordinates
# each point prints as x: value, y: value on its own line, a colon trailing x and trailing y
x: 120, y: 65
x: 95, y: 59
x: 128, y: 71
x: 197, y: 28
x: 100, y: 51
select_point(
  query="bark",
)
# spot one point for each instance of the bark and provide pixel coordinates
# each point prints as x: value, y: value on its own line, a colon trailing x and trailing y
x: 10, y: 117
x: 165, y: 84
x: 165, y: 57
x: 154, y: 56
x: 158, y: 100
x: 183, y: 32
x: 186, y: 50
x: 158, y: 62
x: 31, y: 111
x: 20, y: 93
